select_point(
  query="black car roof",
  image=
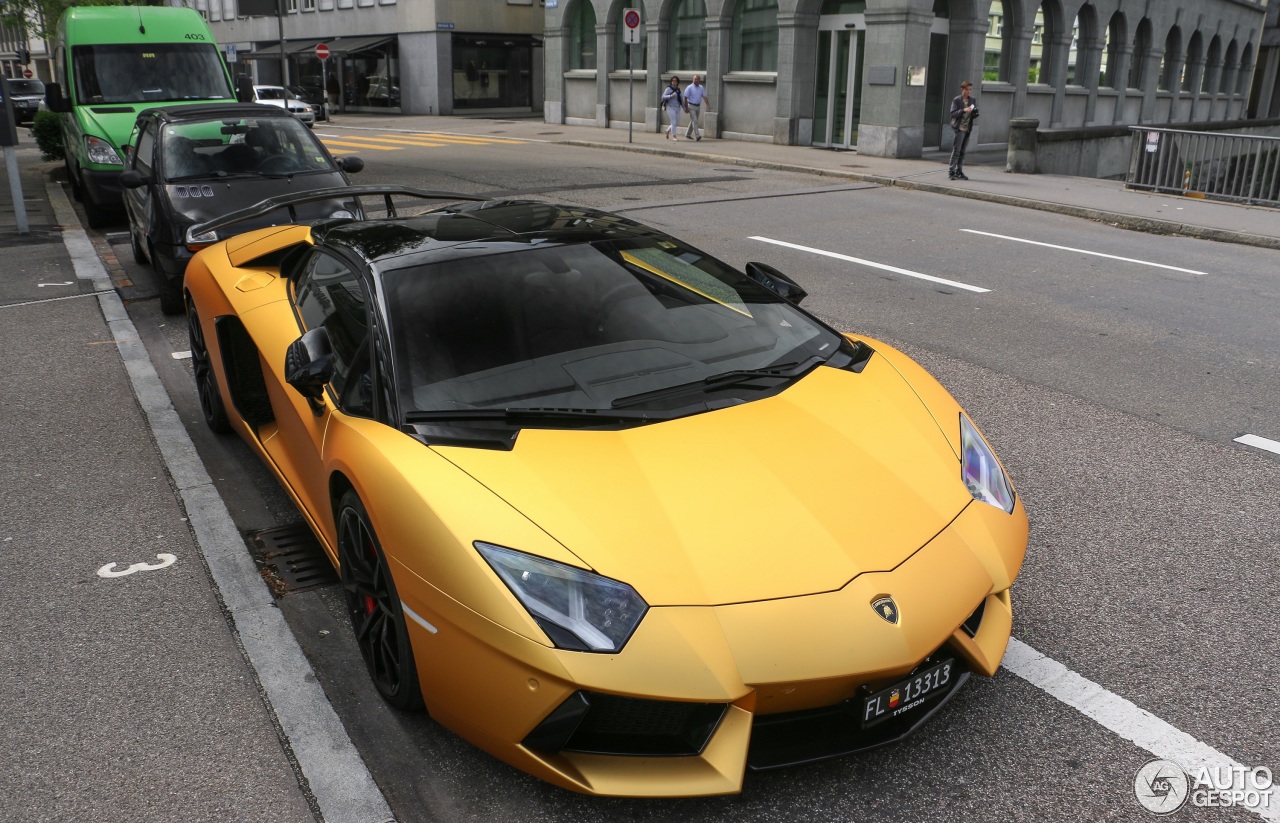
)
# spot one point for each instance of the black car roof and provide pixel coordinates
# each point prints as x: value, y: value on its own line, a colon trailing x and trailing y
x: 208, y: 111
x: 436, y: 235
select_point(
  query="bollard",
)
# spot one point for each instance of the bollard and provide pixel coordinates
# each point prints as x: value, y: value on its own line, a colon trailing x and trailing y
x: 1021, y: 158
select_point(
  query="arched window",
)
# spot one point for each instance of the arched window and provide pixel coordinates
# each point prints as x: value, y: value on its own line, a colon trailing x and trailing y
x: 1195, y: 53
x: 1081, y: 47
x: 755, y: 36
x: 688, y: 37
x: 1111, y: 52
x: 1228, y: 63
x: 995, y: 58
x: 582, y: 35
x: 1141, y: 48
x: 638, y: 50
x: 1246, y: 62
x: 1215, y: 55
x: 1171, y: 62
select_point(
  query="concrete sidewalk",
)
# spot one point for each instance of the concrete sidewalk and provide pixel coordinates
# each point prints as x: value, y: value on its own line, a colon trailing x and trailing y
x: 1103, y: 200
x: 145, y: 671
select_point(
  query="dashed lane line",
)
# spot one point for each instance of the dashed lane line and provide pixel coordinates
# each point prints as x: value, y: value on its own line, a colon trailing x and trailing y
x: 1084, y: 251
x: 1123, y: 718
x: 1259, y: 443
x: 874, y: 265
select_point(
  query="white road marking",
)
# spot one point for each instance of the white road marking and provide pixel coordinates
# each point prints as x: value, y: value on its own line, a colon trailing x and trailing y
x: 166, y: 560
x: 1120, y: 716
x: 181, y: 355
x: 68, y: 283
x: 1083, y: 251
x: 1259, y: 442
x: 874, y: 265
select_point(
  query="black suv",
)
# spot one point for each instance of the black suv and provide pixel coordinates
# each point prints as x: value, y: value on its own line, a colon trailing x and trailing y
x: 26, y: 96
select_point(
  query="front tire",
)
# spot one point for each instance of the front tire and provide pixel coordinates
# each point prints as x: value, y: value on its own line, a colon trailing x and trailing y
x: 215, y: 414
x: 374, y: 607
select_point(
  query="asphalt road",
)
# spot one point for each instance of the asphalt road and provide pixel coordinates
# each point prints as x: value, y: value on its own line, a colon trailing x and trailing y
x: 1112, y: 390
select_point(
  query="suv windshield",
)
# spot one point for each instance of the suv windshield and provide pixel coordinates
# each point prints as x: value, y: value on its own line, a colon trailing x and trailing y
x: 25, y: 88
x: 143, y: 72
x: 259, y: 145
x: 637, y: 324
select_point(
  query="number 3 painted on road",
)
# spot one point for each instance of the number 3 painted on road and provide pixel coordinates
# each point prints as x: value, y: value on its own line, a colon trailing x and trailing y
x: 166, y: 560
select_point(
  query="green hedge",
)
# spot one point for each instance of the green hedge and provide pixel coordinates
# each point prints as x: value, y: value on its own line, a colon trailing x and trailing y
x: 47, y: 130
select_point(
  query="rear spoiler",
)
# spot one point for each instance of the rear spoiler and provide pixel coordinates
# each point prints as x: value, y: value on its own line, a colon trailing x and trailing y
x: 289, y: 201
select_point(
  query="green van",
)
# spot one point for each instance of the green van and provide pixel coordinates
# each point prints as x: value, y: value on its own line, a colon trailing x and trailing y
x: 111, y: 62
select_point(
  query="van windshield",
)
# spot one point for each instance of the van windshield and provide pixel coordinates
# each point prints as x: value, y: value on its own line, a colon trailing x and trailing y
x: 149, y: 72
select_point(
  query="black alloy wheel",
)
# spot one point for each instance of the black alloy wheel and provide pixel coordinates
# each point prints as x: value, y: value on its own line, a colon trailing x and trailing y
x: 374, y: 607
x: 215, y: 413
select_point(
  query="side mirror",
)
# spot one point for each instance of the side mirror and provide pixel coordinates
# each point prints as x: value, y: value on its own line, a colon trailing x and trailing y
x: 350, y: 165
x: 131, y: 179
x: 776, y: 282
x: 53, y: 99
x: 308, y: 365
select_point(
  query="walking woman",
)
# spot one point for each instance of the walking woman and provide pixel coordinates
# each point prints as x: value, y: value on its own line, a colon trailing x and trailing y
x: 673, y: 102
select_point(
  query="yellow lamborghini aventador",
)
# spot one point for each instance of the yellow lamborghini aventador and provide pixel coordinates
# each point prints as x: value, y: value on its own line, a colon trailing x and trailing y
x: 623, y: 516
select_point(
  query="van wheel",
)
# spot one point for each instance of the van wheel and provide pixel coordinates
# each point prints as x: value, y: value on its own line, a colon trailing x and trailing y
x: 74, y: 179
x: 99, y: 217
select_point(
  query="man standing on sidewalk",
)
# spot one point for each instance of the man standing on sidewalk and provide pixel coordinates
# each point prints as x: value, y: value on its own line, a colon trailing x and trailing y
x: 694, y: 96
x: 964, y: 109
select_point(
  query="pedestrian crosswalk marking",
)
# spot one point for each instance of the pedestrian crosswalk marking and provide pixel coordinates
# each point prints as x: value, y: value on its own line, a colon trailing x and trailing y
x: 347, y: 144
x: 414, y: 139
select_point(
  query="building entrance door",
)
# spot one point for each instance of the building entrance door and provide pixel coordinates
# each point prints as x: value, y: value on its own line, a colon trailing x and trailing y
x: 838, y: 92
x: 937, y: 99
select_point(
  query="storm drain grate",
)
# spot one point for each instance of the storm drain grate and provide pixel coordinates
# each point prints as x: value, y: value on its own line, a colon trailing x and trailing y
x: 290, y: 559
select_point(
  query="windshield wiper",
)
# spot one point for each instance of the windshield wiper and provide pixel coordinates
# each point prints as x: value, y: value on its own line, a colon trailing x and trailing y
x: 780, y: 371
x: 518, y: 414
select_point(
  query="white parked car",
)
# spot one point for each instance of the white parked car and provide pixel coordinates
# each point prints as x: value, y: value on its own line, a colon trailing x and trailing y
x: 278, y: 97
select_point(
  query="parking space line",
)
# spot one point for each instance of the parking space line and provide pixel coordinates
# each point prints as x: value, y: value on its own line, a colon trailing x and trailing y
x: 1259, y: 442
x: 874, y: 265
x: 1120, y: 716
x: 1084, y: 251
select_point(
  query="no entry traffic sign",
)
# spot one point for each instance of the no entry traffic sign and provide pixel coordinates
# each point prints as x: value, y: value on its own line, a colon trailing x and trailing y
x: 322, y: 51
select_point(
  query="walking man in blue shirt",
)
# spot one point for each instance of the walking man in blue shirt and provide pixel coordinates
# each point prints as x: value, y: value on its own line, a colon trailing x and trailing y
x: 694, y: 96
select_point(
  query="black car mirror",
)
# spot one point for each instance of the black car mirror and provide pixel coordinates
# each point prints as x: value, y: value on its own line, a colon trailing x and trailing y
x: 54, y: 100
x: 132, y: 180
x: 351, y: 165
x: 308, y: 365
x: 776, y: 282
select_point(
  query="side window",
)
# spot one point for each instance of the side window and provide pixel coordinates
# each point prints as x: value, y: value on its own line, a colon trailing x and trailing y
x: 329, y: 294
x: 143, y: 154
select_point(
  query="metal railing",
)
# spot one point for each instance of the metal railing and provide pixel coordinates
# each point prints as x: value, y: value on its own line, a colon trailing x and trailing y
x: 1237, y: 167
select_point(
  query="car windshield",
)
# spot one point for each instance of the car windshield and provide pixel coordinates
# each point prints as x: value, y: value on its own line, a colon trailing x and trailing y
x: 25, y: 87
x: 636, y: 324
x: 144, y: 72
x: 252, y: 145
x: 270, y: 93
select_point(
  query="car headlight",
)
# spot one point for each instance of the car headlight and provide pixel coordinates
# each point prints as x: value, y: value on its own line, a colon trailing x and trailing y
x: 578, y: 610
x: 980, y: 470
x: 100, y: 151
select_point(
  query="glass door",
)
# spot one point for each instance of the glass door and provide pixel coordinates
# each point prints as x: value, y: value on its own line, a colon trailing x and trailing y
x: 838, y: 92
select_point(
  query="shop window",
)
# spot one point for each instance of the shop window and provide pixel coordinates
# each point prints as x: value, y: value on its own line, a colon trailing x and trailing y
x: 582, y: 35
x: 755, y: 36
x: 492, y: 72
x: 638, y: 50
x: 371, y: 79
x: 688, y: 36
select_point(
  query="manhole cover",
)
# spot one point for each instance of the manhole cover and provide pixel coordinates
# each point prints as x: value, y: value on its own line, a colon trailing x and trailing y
x: 290, y: 559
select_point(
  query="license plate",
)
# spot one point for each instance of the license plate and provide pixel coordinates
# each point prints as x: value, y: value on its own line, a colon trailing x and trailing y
x: 907, y: 694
